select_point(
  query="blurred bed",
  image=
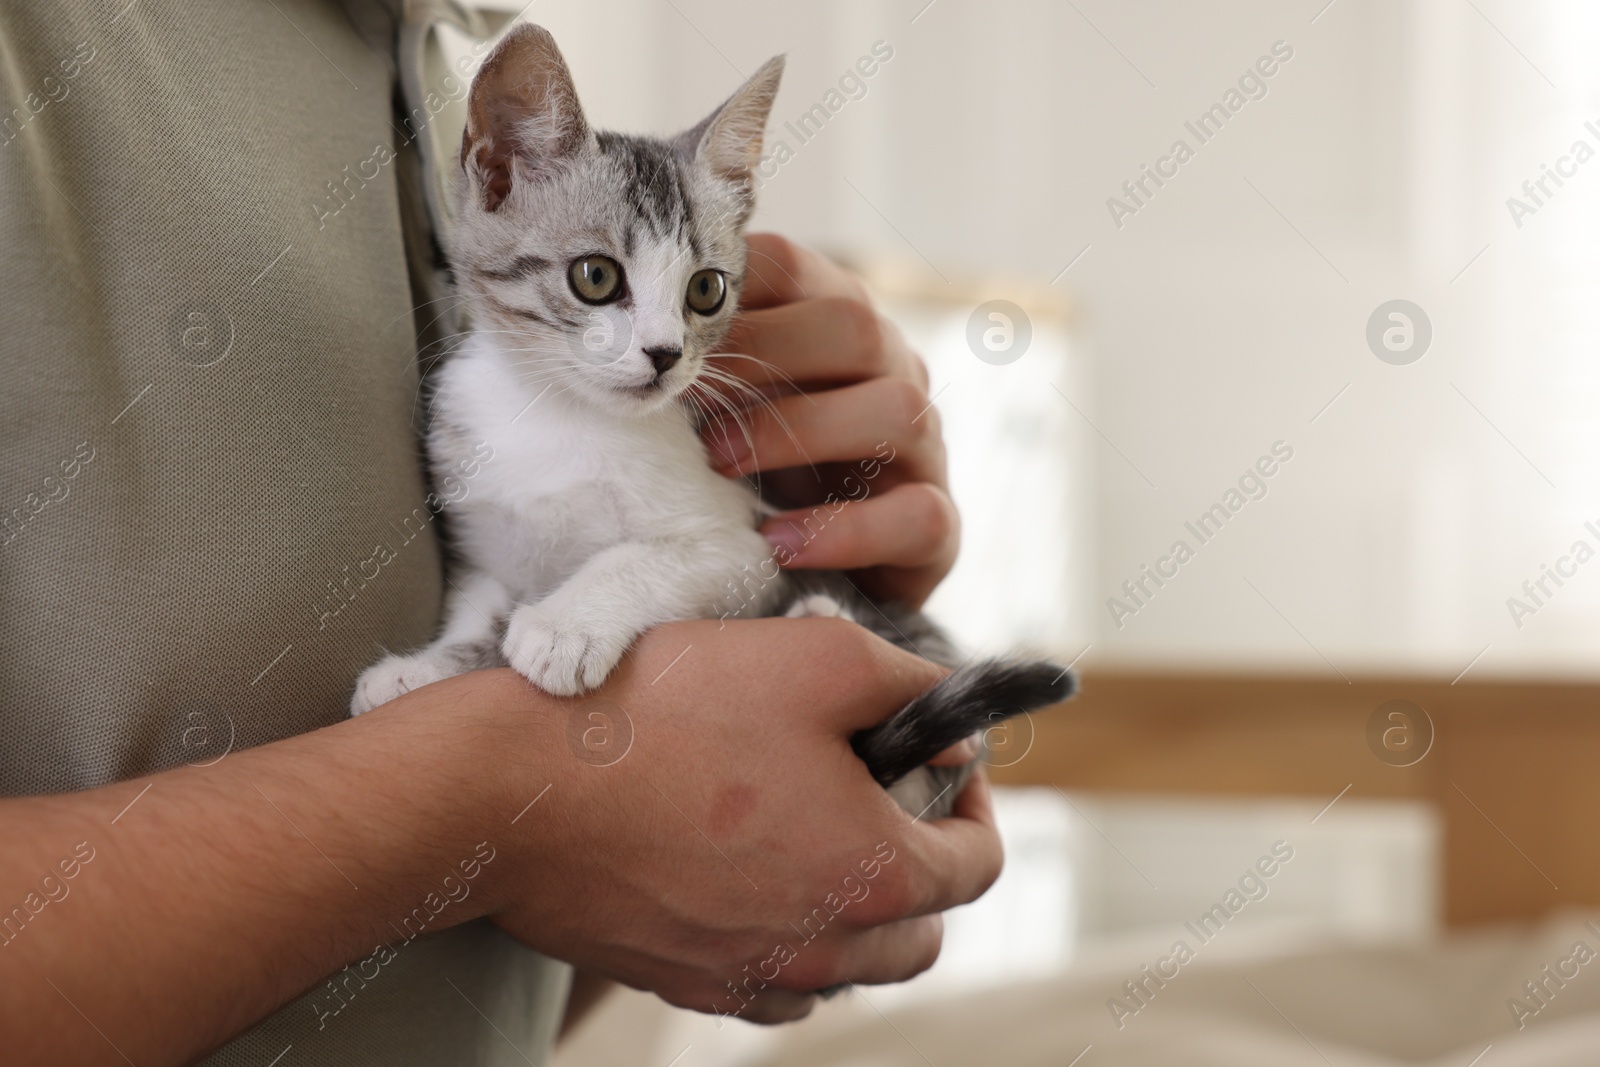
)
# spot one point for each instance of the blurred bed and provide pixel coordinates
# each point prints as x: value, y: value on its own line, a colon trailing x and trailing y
x: 1433, y: 913
x: 1444, y: 1004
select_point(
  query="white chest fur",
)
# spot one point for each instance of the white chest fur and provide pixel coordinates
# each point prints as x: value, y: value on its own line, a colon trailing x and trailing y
x: 597, y: 524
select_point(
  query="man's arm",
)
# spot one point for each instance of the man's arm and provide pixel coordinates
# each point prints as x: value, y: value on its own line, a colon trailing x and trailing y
x: 215, y: 895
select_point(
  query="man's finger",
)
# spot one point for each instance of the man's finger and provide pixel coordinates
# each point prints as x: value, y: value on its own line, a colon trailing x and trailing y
x: 910, y: 525
x: 832, y: 341
x: 960, y: 753
x: 778, y: 271
x: 878, y: 955
x: 767, y: 1006
x: 773, y: 1006
x: 839, y: 425
x: 869, y: 681
x: 953, y: 861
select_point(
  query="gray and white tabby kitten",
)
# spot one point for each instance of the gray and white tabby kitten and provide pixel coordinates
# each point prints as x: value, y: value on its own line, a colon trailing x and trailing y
x: 599, y: 271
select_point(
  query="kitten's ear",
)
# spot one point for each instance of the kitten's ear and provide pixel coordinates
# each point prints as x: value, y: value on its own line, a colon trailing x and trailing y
x: 728, y: 141
x: 522, y: 114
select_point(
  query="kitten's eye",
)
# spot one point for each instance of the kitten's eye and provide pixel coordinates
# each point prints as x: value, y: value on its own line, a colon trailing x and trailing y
x: 596, y: 279
x: 707, y: 290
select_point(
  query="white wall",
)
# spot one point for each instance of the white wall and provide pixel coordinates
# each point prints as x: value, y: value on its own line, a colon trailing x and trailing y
x: 1225, y: 314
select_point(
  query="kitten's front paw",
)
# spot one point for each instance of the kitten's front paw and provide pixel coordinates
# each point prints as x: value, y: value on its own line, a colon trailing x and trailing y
x: 563, y: 658
x: 395, y: 676
x: 818, y: 606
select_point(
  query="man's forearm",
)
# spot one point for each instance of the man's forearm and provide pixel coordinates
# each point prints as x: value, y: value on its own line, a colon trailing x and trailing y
x: 234, y: 888
x: 218, y: 894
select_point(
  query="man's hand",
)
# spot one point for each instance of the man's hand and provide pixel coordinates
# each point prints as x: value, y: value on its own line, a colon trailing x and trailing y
x: 738, y: 810
x: 738, y: 857
x: 842, y: 382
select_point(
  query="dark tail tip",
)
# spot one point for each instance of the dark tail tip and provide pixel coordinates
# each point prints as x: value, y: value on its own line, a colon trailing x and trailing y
x: 976, y: 697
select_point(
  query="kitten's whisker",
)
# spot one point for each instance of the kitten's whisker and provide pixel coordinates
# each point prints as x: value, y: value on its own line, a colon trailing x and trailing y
x: 419, y: 307
x: 704, y: 398
x: 737, y: 415
x: 772, y: 410
x: 457, y: 306
x: 770, y: 368
x: 737, y: 389
x: 700, y: 416
x: 798, y: 287
x: 546, y: 377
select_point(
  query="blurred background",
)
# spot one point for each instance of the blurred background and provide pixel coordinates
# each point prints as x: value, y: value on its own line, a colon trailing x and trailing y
x: 1370, y: 268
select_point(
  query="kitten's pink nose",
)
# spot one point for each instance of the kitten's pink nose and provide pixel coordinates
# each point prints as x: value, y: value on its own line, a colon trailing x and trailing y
x: 664, y: 358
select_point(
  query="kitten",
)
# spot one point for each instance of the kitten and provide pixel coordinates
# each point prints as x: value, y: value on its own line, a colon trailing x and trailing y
x: 599, y: 271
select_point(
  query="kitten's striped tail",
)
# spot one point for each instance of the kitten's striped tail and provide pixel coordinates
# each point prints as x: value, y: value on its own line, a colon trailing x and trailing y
x: 973, y: 698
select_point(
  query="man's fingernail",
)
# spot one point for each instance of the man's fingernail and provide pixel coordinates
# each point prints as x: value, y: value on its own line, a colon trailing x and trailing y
x: 971, y: 746
x: 785, y: 537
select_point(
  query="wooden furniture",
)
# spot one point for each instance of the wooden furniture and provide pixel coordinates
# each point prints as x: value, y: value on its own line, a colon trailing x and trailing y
x: 1513, y: 770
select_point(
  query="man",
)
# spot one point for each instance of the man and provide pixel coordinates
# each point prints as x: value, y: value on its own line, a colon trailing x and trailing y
x: 215, y: 515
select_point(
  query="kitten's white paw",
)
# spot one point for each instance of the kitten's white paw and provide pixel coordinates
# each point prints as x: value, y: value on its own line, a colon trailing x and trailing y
x: 564, y: 658
x: 395, y: 676
x: 818, y: 606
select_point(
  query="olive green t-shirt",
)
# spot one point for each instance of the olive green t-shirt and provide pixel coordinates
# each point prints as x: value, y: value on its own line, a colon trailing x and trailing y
x: 213, y: 511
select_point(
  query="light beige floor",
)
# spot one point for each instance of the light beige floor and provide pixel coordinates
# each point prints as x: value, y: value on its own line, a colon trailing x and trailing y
x: 1443, y: 1005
